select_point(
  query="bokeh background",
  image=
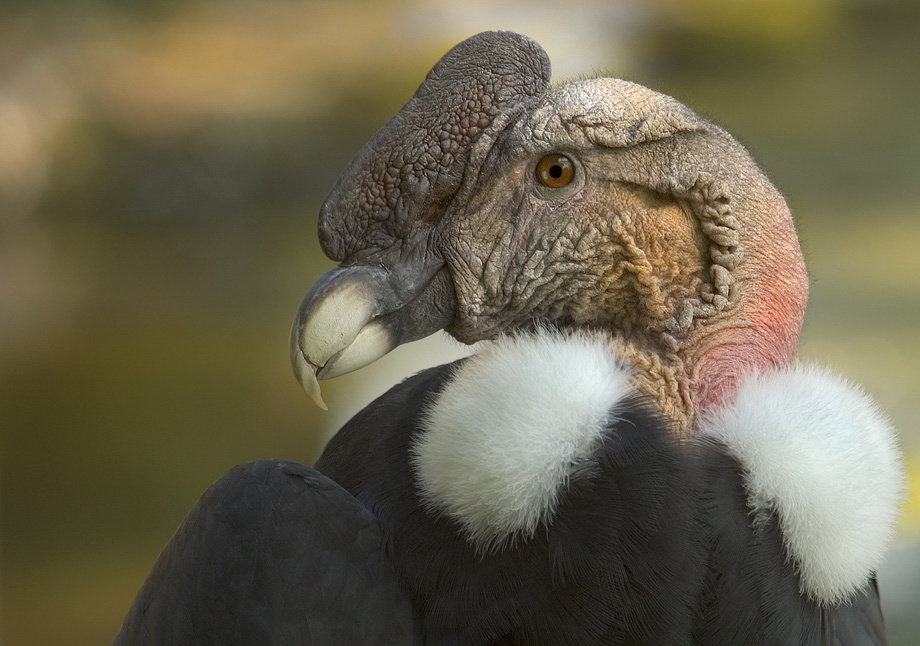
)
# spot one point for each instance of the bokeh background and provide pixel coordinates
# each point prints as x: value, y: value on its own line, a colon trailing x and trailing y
x: 161, y: 167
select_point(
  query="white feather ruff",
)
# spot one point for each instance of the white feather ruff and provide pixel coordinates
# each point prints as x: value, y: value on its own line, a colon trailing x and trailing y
x: 509, y: 428
x: 818, y: 452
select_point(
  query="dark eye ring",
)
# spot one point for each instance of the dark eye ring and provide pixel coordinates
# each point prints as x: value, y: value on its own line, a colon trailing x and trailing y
x: 555, y: 171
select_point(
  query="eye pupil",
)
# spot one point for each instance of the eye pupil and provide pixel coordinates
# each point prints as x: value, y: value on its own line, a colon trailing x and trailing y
x: 555, y: 171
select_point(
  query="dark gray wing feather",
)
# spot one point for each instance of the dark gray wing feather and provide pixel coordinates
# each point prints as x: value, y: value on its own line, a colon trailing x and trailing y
x: 273, y: 553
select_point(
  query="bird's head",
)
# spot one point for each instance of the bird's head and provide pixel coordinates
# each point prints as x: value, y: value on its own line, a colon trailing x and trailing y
x: 491, y: 203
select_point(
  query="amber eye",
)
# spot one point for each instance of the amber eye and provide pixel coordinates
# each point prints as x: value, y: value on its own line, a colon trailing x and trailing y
x: 555, y: 171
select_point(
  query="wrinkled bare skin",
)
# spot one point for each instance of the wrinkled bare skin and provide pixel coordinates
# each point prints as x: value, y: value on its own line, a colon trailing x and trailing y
x: 601, y: 251
x: 668, y: 237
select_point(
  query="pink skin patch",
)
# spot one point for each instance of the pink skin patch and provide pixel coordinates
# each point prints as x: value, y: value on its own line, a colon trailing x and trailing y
x: 768, y: 317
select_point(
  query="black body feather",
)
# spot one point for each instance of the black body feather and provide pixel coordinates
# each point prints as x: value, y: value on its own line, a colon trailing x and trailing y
x: 652, y: 543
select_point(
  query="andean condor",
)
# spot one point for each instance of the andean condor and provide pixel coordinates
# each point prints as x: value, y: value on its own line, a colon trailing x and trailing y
x: 632, y: 457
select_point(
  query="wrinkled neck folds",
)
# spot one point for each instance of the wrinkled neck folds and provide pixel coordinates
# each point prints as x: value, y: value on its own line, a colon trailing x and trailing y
x: 693, y: 335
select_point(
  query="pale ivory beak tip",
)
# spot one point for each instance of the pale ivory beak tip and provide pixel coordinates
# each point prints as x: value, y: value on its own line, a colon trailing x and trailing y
x: 306, y: 375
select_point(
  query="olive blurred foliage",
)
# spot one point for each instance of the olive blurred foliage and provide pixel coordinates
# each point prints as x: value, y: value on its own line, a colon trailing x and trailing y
x: 161, y: 166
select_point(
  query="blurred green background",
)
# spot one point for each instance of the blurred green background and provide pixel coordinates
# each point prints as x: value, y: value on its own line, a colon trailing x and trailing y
x: 161, y: 166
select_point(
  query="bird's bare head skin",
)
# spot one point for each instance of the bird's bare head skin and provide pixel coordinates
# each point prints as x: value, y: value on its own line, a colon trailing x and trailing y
x: 491, y: 203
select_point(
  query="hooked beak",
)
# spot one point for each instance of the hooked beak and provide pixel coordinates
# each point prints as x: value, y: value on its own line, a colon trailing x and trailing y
x: 354, y: 315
